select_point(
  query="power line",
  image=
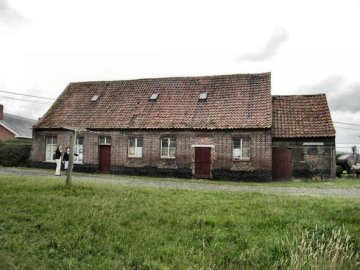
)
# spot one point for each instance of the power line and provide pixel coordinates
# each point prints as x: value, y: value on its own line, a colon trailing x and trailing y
x: 32, y: 101
x: 14, y: 93
x: 349, y: 128
x: 347, y: 124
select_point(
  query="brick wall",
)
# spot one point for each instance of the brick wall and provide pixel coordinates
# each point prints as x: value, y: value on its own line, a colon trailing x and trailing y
x: 310, y: 161
x: 222, y: 164
x: 6, y: 134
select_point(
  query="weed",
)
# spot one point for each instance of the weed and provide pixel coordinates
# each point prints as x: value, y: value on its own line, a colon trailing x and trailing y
x: 322, y: 248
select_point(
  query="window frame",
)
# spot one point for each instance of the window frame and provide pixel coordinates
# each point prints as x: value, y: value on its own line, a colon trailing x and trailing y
x: 80, y: 157
x: 52, y: 148
x: 312, y: 148
x: 241, y: 149
x: 168, y: 156
x: 107, y: 140
x: 136, y: 147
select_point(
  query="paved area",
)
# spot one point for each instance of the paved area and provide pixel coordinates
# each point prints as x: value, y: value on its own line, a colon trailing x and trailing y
x: 339, y: 192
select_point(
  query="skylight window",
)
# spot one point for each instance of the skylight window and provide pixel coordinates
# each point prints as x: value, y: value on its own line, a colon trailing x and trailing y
x: 154, y: 97
x: 95, y: 98
x: 203, y: 96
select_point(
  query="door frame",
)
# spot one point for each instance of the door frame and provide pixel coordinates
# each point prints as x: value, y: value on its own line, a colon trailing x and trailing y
x: 286, y: 172
x: 194, y: 160
x: 100, y: 163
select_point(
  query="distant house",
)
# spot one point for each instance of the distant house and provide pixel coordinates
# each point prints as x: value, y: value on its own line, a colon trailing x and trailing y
x: 13, y: 126
x: 218, y: 127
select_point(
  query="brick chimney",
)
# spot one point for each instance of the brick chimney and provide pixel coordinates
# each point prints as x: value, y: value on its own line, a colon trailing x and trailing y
x: 1, y: 112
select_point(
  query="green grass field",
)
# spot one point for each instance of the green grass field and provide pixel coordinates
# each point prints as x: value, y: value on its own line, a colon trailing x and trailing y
x: 44, y: 225
x: 347, y: 181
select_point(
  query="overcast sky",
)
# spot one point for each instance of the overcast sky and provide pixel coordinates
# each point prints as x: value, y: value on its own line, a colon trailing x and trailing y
x: 308, y: 46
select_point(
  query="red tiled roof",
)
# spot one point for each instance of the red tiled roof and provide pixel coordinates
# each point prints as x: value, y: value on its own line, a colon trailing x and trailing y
x: 234, y: 101
x: 301, y: 116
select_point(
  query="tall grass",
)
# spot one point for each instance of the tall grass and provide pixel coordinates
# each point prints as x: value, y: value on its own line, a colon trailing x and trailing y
x: 322, y: 248
x: 44, y: 225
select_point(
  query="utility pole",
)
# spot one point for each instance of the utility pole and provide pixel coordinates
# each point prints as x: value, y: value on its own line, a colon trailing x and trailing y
x: 71, y: 159
x: 75, y: 131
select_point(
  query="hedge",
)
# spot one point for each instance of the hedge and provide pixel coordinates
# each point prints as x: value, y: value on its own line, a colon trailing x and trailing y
x: 15, y: 153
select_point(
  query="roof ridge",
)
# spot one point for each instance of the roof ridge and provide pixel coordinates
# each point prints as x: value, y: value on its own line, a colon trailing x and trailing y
x: 305, y: 95
x: 175, y: 77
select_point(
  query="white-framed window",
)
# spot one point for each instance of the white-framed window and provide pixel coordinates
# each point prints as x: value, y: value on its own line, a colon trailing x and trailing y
x: 51, y: 144
x: 168, y: 147
x: 312, y: 148
x: 79, y: 150
x: 241, y: 149
x: 135, y: 147
x: 105, y: 140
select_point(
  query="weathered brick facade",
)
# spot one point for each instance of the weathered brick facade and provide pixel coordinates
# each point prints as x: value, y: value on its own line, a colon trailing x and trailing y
x: 311, y: 157
x: 215, y: 120
x: 222, y: 164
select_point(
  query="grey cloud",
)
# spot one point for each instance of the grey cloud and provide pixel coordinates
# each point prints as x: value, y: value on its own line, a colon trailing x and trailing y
x: 343, y: 99
x: 8, y: 15
x: 341, y: 95
x: 270, y: 49
x: 346, y: 138
x: 24, y: 109
x: 347, y: 100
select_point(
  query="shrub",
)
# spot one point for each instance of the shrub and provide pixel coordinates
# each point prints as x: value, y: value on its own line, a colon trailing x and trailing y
x: 15, y: 153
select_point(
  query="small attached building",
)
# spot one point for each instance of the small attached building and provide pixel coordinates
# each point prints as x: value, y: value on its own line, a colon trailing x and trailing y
x: 303, y: 138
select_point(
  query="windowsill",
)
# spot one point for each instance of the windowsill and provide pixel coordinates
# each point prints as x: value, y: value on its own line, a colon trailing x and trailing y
x: 168, y: 157
x: 135, y: 157
x: 241, y: 159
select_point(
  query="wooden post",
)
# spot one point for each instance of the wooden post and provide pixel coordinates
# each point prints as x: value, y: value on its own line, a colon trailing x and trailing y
x: 71, y: 160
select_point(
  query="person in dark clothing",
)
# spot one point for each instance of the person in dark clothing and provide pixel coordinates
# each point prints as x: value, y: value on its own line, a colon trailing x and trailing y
x: 58, y: 155
x: 66, y: 158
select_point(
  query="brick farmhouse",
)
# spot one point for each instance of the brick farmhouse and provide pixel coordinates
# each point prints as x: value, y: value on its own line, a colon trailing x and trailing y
x: 220, y: 127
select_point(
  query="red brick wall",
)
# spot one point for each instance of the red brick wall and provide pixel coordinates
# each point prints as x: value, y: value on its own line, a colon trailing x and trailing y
x: 221, y: 154
x: 6, y: 134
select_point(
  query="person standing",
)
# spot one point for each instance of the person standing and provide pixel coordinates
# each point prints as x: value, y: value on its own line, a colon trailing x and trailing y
x: 58, y: 155
x: 66, y: 158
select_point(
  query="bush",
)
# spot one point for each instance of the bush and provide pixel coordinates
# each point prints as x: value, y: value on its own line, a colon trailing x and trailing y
x: 15, y: 153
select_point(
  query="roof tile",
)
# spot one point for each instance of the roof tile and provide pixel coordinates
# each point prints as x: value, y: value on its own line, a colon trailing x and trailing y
x: 234, y: 101
x: 301, y: 116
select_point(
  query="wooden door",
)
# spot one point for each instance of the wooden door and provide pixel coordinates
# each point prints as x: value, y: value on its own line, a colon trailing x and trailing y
x: 202, y: 162
x: 104, y: 159
x: 281, y: 164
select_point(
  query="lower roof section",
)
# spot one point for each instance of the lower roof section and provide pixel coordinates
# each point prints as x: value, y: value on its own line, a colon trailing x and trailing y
x: 301, y: 116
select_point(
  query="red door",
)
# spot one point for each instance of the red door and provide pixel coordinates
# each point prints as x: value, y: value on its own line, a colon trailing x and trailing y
x: 202, y: 162
x: 104, y: 160
x: 281, y: 164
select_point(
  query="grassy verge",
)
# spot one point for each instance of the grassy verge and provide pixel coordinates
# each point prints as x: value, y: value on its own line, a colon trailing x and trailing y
x: 347, y: 181
x: 44, y: 225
